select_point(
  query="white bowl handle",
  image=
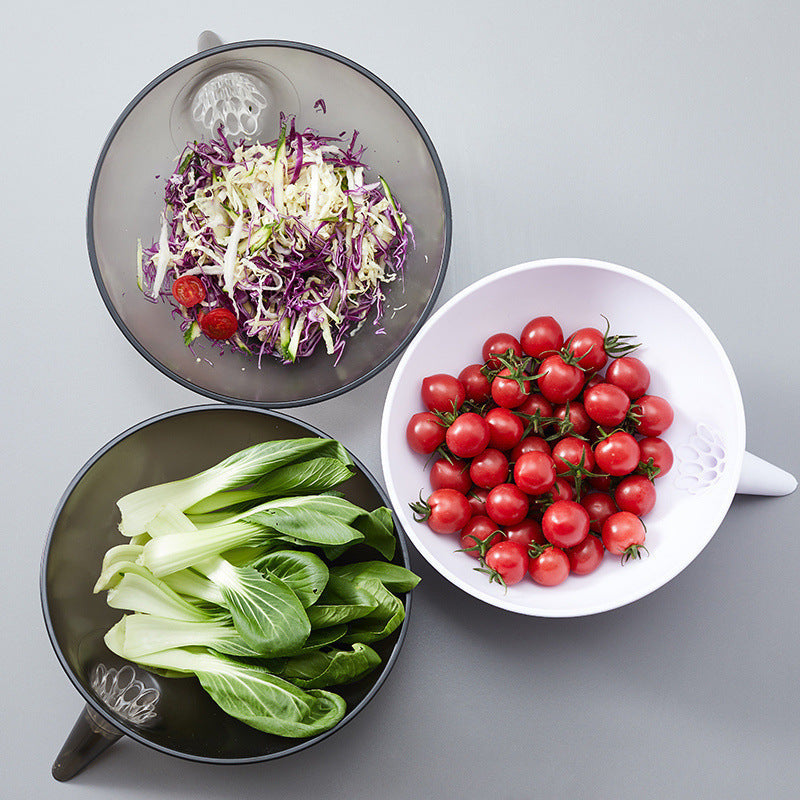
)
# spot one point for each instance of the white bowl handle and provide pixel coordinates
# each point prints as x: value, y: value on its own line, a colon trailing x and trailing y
x: 761, y: 477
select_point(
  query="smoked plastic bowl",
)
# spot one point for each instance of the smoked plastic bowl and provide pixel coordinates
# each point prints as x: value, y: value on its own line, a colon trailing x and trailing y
x: 126, y: 200
x: 688, y: 366
x: 186, y: 721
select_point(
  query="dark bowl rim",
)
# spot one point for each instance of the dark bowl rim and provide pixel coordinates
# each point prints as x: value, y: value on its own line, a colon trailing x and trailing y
x: 132, y: 733
x: 448, y: 226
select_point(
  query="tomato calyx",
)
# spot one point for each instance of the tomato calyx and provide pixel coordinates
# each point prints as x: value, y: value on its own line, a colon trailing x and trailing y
x: 521, y: 368
x: 648, y: 469
x: 535, y: 550
x: 578, y: 472
x: 617, y: 345
x: 421, y: 509
x: 634, y: 551
x: 481, y: 546
x: 494, y: 575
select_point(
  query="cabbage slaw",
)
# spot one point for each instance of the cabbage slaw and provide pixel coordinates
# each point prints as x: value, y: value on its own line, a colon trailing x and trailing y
x: 288, y: 235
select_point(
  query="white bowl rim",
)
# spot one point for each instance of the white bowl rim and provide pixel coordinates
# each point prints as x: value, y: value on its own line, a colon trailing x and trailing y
x: 736, y: 455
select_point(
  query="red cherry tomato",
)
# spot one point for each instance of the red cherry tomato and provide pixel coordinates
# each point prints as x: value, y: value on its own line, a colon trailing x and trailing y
x: 562, y: 490
x: 586, y: 556
x: 651, y: 447
x: 468, y: 435
x: 565, y: 523
x: 509, y: 560
x: 527, y: 532
x: 623, y: 534
x: 188, y: 290
x: 593, y: 380
x: 602, y: 483
x: 588, y: 345
x: 630, y: 374
x: 442, y: 392
x: 536, y: 402
x: 541, y: 335
x: 577, y: 416
x: 489, y: 469
x: 499, y: 344
x: 534, y: 472
x: 451, y: 475
x: 424, y: 432
x: 219, y: 324
x: 617, y: 454
x: 606, y: 404
x: 600, y: 506
x: 476, y: 384
x: 550, y: 568
x: 559, y: 381
x: 507, y: 504
x: 635, y: 493
x: 655, y: 415
x: 508, y: 392
x: 570, y: 451
x: 530, y: 444
x: 505, y: 428
x: 477, y: 501
x: 448, y: 511
x: 478, y: 535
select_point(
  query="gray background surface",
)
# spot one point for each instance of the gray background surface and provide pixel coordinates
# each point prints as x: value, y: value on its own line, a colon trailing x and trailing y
x: 662, y: 136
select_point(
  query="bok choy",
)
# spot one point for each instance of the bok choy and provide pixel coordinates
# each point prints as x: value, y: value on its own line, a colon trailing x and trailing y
x: 242, y: 576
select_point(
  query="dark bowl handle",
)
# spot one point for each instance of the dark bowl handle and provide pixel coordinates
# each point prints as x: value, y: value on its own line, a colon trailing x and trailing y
x: 89, y: 737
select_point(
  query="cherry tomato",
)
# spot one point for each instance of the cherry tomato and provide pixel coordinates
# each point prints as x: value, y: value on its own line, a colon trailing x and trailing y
x: 507, y: 504
x: 477, y: 501
x: 550, y: 568
x: 424, y: 432
x: 569, y: 451
x: 586, y: 556
x: 603, y: 483
x: 630, y: 374
x: 651, y: 447
x: 600, y: 506
x: 451, y: 475
x: 577, y: 416
x: 635, y: 493
x: 536, y: 402
x: 468, y: 435
x: 509, y: 560
x: 655, y: 415
x: 534, y: 472
x: 527, y: 532
x: 565, y: 523
x: 588, y: 345
x: 559, y: 381
x: 478, y: 535
x: 505, y: 428
x: 623, y: 534
x: 541, y: 335
x: 617, y: 454
x: 476, y: 384
x: 489, y: 468
x: 528, y: 445
x: 562, y: 490
x: 442, y: 392
x: 606, y: 404
x: 219, y: 324
x: 498, y: 344
x: 593, y: 380
x: 509, y: 392
x: 188, y: 290
x: 448, y: 511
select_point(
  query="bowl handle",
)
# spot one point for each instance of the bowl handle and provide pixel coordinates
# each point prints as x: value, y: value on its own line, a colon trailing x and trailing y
x: 206, y: 40
x: 761, y: 477
x: 89, y: 737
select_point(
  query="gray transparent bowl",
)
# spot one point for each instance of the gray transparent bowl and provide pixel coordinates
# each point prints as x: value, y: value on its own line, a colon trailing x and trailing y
x: 126, y: 199
x: 181, y: 719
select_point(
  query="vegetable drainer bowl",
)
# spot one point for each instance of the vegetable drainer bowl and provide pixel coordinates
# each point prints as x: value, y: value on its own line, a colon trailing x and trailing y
x: 172, y: 715
x: 688, y: 367
x: 248, y: 88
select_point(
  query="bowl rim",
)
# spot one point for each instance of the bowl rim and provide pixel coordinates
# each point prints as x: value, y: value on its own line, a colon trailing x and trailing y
x: 736, y: 458
x: 429, y: 146
x: 98, y: 707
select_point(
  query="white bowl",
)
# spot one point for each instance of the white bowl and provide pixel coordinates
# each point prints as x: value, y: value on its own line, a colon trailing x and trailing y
x: 688, y: 367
